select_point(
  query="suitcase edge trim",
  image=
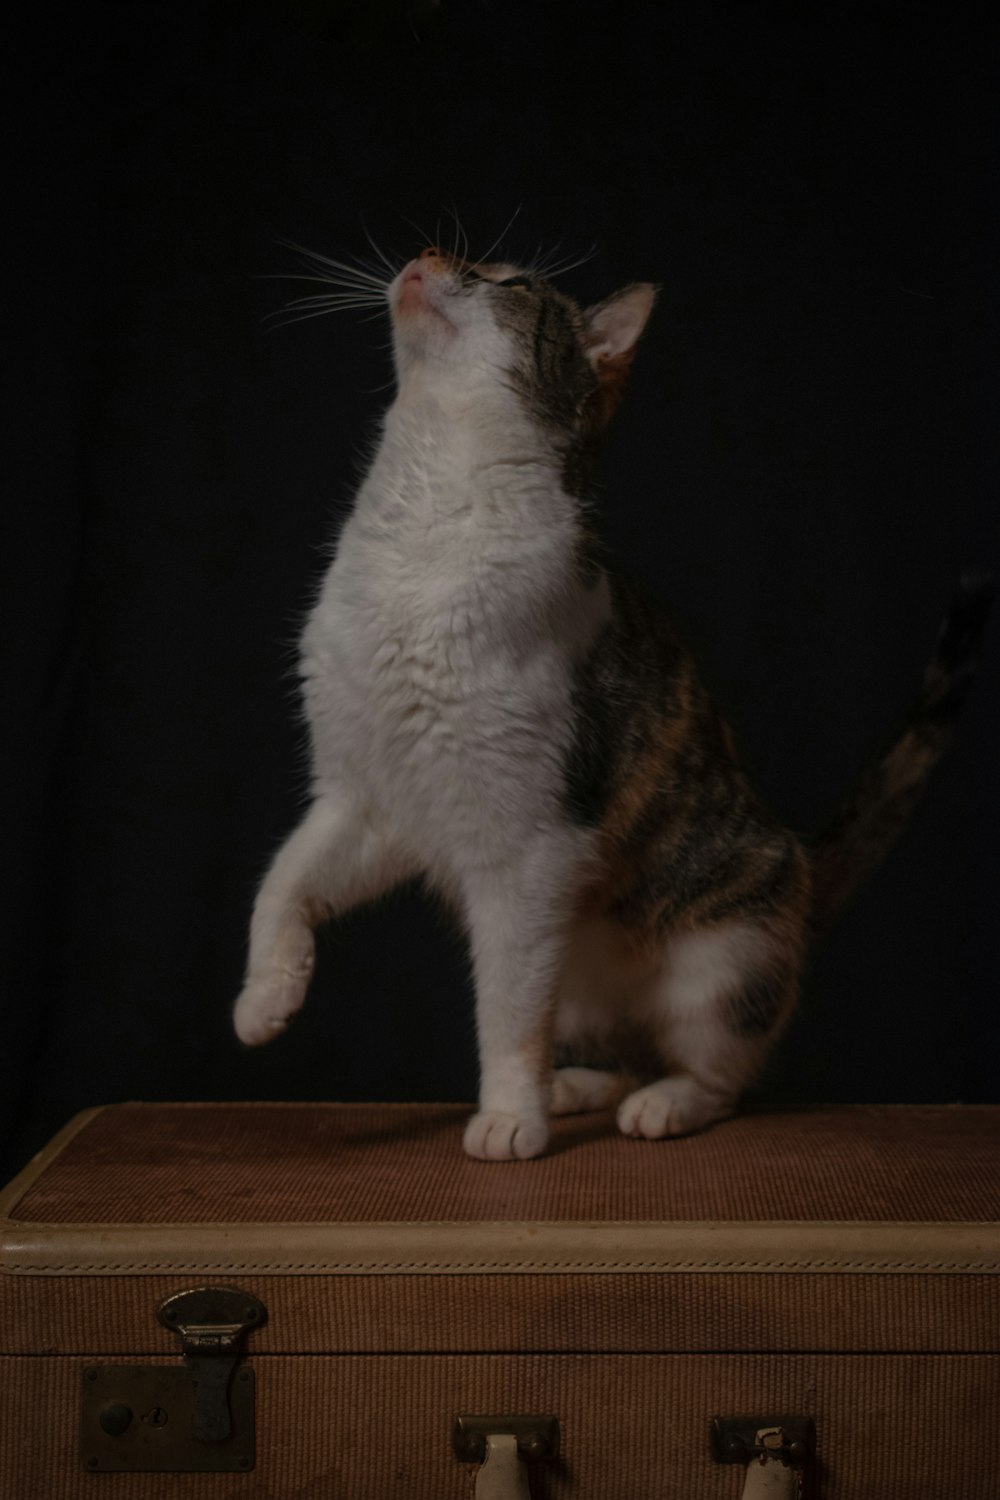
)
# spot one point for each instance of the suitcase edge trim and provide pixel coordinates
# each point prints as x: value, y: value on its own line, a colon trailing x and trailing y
x: 503, y: 1248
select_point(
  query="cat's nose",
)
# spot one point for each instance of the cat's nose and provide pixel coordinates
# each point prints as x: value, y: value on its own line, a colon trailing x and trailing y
x: 433, y: 258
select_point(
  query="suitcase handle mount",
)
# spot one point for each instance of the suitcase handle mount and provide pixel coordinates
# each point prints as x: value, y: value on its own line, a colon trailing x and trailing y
x: 504, y: 1447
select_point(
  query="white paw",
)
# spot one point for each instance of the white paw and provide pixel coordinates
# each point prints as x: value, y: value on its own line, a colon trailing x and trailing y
x: 266, y: 1005
x: 671, y: 1106
x: 494, y: 1136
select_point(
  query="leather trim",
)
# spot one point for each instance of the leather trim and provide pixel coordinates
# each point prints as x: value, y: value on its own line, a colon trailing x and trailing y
x: 437, y: 1249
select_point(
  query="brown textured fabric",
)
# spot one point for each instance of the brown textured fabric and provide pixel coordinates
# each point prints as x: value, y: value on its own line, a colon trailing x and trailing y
x: 185, y: 1164
x: 888, y: 1428
x: 360, y: 1376
x: 115, y: 1316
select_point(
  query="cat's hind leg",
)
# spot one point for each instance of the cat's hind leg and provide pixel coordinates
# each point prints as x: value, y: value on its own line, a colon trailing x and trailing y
x: 577, y: 1090
x: 336, y: 858
x: 715, y: 1008
x: 602, y: 973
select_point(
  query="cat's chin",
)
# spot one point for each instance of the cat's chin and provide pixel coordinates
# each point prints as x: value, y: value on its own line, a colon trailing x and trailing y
x: 416, y: 303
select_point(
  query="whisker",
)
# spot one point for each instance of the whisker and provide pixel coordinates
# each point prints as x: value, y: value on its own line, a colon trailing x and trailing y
x: 304, y: 317
x: 550, y: 258
x: 561, y: 268
x: 424, y: 236
x: 382, y: 257
x: 371, y: 293
x: 352, y: 294
x: 536, y: 263
x: 315, y: 260
x: 320, y: 304
x: 350, y: 286
x: 500, y: 237
x: 461, y: 238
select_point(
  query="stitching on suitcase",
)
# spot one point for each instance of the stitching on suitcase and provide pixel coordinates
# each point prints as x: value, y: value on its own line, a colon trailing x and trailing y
x: 530, y: 1266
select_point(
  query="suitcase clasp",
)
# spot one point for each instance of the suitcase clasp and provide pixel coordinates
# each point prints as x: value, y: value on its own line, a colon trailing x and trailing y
x: 197, y: 1417
x: 210, y: 1323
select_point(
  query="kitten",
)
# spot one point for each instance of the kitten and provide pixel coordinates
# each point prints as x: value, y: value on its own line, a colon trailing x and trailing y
x: 493, y: 707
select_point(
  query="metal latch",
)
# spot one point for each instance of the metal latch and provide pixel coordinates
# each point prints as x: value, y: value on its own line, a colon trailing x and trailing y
x: 774, y: 1450
x: 504, y: 1446
x: 198, y: 1417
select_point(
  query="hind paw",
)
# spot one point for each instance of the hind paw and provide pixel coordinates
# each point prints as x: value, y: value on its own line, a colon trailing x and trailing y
x: 575, y: 1090
x: 671, y: 1106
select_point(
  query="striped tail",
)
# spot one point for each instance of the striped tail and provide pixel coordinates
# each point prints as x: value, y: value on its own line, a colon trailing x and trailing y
x: 879, y: 806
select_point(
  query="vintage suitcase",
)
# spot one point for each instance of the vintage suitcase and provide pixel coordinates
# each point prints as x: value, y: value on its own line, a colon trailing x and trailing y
x: 326, y: 1301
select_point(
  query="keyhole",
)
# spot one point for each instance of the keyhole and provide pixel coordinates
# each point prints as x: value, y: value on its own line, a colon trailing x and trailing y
x: 155, y: 1417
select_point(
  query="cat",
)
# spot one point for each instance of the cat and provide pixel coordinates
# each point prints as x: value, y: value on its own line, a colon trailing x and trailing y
x: 493, y: 707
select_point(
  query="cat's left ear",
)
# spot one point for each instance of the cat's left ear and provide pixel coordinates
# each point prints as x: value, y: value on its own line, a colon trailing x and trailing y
x: 612, y: 327
x: 611, y: 332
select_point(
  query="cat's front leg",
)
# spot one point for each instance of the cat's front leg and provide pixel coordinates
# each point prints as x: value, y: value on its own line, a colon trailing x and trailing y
x: 338, y: 857
x: 518, y: 919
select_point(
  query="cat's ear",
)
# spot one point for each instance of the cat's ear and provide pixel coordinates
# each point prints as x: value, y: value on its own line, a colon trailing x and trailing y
x: 612, y: 327
x: 611, y: 332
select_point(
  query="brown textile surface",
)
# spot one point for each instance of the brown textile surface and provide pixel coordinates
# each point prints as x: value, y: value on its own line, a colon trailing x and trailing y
x: 891, y: 1427
x: 115, y: 1317
x: 184, y: 1164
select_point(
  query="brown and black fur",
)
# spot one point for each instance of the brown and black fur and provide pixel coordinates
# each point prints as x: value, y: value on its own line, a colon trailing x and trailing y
x: 685, y: 842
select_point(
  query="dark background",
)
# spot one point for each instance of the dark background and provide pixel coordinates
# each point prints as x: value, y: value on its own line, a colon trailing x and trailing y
x: 803, y: 468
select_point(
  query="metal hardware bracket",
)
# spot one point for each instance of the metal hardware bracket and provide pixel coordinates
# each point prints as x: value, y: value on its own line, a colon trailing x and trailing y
x: 734, y: 1439
x: 163, y: 1418
x: 774, y: 1450
x: 504, y: 1447
x: 537, y: 1437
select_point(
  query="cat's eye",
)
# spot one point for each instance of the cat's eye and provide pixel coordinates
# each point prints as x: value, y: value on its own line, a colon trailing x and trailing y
x: 514, y: 282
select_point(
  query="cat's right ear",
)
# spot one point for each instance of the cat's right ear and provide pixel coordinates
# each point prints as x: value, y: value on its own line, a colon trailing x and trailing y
x: 611, y: 333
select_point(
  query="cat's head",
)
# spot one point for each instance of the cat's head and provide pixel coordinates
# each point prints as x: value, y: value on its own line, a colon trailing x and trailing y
x: 482, y: 328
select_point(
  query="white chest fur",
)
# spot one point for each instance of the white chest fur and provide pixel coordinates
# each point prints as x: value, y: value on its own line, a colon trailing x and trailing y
x: 437, y: 662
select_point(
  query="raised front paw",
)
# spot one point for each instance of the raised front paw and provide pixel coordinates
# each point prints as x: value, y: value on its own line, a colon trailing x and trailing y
x: 494, y: 1136
x: 266, y: 1005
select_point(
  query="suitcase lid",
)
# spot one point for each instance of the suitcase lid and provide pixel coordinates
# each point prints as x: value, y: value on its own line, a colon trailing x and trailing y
x: 364, y: 1229
x: 381, y: 1189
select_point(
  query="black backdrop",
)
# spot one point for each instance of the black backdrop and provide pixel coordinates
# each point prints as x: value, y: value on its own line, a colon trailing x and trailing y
x: 803, y: 468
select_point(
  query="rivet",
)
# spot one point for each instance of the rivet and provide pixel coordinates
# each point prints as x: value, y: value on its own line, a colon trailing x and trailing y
x: 115, y: 1418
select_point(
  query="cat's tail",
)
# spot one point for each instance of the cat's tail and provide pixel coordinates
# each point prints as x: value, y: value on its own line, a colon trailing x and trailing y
x: 881, y: 801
